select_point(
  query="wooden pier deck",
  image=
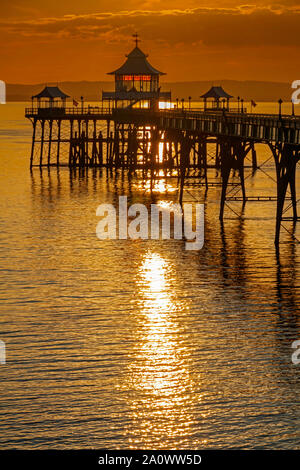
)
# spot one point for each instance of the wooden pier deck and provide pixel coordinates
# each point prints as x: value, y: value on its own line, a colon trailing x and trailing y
x: 259, y: 127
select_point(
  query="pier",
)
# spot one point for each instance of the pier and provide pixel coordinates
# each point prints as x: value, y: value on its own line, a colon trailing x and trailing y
x: 176, y: 141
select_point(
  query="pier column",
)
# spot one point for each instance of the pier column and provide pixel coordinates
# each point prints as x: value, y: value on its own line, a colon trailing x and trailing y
x: 50, y: 141
x: 107, y: 141
x: 116, y: 149
x: 186, y: 145
x: 42, y: 142
x: 202, y: 159
x: 226, y: 165
x: 87, y: 141
x: 71, y: 143
x: 58, y: 141
x: 239, y: 155
x: 100, y: 149
x: 33, y: 142
x: 218, y: 164
x: 254, y: 157
x: 154, y: 150
x: 232, y: 155
x: 286, y: 158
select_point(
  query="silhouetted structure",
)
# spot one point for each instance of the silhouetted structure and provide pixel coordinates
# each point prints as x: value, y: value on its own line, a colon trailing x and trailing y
x: 220, y: 98
x: 154, y: 139
x: 136, y: 81
x: 50, y: 97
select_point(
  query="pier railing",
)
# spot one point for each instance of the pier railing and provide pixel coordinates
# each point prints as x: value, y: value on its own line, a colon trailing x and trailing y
x: 258, y: 127
x: 73, y: 111
x: 255, y: 118
x: 201, y: 109
x: 231, y: 112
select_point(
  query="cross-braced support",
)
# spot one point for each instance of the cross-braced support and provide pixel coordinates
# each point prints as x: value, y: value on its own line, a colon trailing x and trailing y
x: 286, y: 157
x: 232, y: 155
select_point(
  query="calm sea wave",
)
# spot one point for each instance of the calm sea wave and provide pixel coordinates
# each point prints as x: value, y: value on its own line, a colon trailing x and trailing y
x: 135, y: 343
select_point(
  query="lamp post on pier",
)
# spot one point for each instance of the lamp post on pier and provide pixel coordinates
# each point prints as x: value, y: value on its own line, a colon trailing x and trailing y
x: 242, y: 105
x: 280, y: 104
x: 293, y: 108
x: 238, y: 98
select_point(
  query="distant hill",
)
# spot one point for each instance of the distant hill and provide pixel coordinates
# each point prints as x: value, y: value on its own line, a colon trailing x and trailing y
x: 91, y: 91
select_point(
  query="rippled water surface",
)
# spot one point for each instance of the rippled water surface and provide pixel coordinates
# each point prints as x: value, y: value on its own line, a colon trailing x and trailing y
x: 141, y: 344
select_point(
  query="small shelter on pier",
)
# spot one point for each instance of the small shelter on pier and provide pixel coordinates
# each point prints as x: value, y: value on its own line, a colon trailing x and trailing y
x: 219, y: 98
x: 50, y: 97
x: 136, y: 81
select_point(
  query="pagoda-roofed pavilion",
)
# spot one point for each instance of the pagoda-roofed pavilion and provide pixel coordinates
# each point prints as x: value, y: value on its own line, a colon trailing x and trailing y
x: 220, y: 98
x: 136, y: 81
x: 51, y: 97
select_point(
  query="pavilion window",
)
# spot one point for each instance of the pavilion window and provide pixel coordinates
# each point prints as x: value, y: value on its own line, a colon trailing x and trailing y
x: 139, y: 82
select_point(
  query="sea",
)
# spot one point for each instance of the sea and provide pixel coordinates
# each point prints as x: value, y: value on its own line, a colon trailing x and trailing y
x: 142, y: 344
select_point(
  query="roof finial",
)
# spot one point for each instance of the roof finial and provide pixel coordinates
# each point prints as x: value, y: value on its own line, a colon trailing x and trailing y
x: 136, y: 38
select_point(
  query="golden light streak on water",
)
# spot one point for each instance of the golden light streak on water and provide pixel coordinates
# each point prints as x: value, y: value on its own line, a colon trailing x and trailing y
x: 159, y: 374
x: 158, y: 185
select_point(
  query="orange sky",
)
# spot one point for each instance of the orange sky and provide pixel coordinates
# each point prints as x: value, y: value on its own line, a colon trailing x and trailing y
x: 188, y: 39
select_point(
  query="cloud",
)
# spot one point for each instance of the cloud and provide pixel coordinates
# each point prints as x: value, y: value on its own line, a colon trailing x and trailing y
x: 243, y: 26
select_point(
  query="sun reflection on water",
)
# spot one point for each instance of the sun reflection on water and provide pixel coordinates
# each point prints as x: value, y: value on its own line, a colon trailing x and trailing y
x: 159, y: 378
x: 159, y: 185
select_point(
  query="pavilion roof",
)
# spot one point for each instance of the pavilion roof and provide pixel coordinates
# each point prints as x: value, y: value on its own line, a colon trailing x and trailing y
x: 136, y: 64
x: 51, y: 92
x: 216, y: 92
